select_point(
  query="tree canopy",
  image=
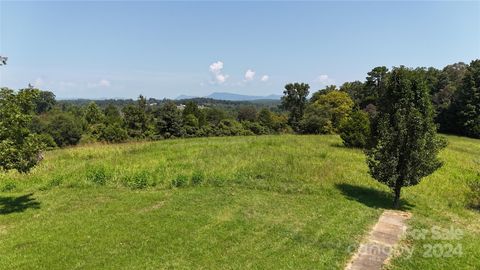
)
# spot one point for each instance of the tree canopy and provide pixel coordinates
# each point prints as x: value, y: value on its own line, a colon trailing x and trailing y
x: 404, y: 143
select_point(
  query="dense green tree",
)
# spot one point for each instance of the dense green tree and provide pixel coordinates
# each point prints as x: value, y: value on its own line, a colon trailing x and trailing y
x: 191, y: 125
x: 230, y: 127
x: 321, y: 92
x: 65, y: 129
x: 93, y: 114
x: 316, y: 120
x: 467, y: 102
x: 327, y: 112
x: 354, y: 90
x: 374, y: 86
x: 355, y: 130
x: 136, y: 121
x: 191, y: 108
x: 294, y: 100
x: 265, y: 118
x: 247, y: 113
x: 44, y: 102
x: 255, y: 127
x: 112, y: 114
x: 404, y: 144
x: 215, y: 115
x: 19, y: 147
x: 280, y: 123
x: 76, y: 111
x: 169, y: 121
x: 113, y: 133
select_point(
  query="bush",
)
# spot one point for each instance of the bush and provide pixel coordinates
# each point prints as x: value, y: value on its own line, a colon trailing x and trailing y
x: 65, y: 129
x: 138, y: 180
x: 474, y: 195
x: 229, y: 127
x: 255, y: 127
x: 355, y: 130
x: 87, y: 139
x: 197, y: 178
x: 47, y: 140
x: 113, y: 133
x: 98, y: 175
x: 327, y: 111
x: 316, y: 124
x: 9, y: 186
x: 180, y: 181
x: 54, y: 182
x: 19, y: 147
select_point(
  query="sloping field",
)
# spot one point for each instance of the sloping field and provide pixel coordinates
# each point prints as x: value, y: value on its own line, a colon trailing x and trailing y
x: 269, y: 202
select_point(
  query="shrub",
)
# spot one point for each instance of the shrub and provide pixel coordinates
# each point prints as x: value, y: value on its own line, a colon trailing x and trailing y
x: 197, y: 178
x: 316, y: 123
x: 47, y: 140
x: 229, y: 127
x: 19, y: 147
x: 355, y: 130
x: 65, y: 129
x: 474, y: 195
x: 54, y: 182
x: 138, y: 180
x: 9, y: 186
x: 327, y: 110
x: 97, y: 175
x: 113, y: 133
x: 255, y: 127
x: 180, y: 181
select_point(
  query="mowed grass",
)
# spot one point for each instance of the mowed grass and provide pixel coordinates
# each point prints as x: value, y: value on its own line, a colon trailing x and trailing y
x: 268, y: 202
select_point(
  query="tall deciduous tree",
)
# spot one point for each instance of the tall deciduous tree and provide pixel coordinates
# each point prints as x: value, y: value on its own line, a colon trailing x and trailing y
x: 295, y: 101
x: 19, y: 147
x: 373, y: 86
x: 93, y: 114
x: 404, y: 142
x: 467, y: 102
x: 247, y: 113
x: 137, y: 118
x: 112, y: 114
x: 191, y: 108
x: 45, y: 102
x: 169, y: 121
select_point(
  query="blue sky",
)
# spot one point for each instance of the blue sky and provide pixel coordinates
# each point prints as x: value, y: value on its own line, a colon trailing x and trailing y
x: 164, y: 49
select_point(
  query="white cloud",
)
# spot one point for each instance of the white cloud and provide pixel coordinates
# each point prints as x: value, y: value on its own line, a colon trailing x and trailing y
x: 249, y: 75
x: 324, y: 79
x: 265, y: 78
x: 216, y: 67
x: 221, y: 78
x: 216, y: 70
x: 104, y: 82
x: 101, y: 83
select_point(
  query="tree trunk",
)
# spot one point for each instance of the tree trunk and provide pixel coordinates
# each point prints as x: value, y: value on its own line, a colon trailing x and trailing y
x: 396, y: 200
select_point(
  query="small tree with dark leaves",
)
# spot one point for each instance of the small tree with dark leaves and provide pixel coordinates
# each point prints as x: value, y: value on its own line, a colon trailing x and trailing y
x: 404, y: 141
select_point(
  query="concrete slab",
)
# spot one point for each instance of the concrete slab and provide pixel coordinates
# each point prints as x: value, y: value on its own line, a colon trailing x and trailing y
x: 377, y: 248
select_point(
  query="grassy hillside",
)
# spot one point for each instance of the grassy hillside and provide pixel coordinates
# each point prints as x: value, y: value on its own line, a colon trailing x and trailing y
x: 267, y: 202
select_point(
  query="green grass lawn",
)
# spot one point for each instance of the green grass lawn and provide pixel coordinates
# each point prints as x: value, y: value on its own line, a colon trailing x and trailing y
x: 269, y: 202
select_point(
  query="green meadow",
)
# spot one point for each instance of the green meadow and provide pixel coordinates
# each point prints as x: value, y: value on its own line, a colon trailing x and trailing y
x: 266, y: 202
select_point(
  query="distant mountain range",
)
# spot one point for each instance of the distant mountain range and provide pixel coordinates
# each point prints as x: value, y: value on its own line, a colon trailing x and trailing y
x: 233, y: 97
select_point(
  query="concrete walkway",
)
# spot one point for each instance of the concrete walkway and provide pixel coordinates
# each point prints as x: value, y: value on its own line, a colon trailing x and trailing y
x: 372, y: 254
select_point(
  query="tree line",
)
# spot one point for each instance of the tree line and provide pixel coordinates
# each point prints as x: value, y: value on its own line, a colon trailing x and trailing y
x: 32, y: 119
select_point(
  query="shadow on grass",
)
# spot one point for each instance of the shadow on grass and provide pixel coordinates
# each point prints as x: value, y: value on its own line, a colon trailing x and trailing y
x: 371, y: 197
x: 18, y: 204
